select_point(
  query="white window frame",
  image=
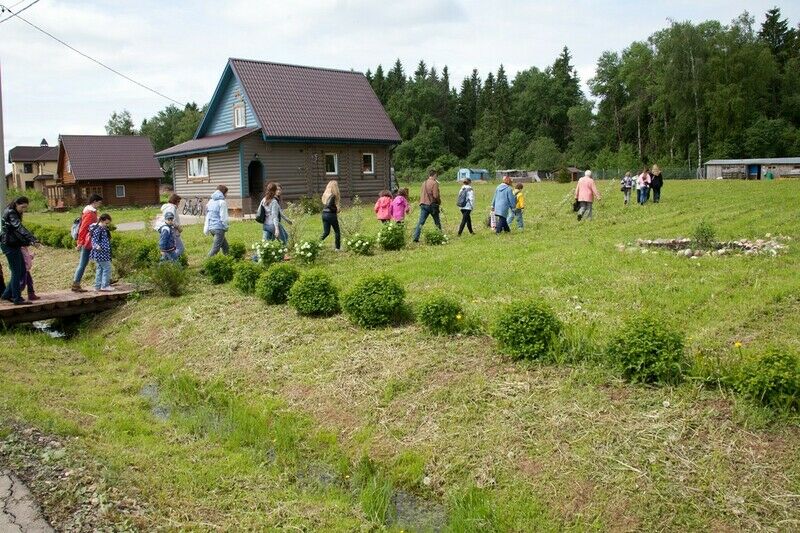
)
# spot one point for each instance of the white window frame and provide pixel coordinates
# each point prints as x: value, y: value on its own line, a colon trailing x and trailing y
x: 335, y: 164
x: 189, y: 167
x: 116, y: 191
x: 239, y: 112
x: 372, y: 163
x: 69, y: 167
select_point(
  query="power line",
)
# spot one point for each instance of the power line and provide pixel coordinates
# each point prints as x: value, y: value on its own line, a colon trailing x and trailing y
x: 18, y: 12
x: 90, y: 58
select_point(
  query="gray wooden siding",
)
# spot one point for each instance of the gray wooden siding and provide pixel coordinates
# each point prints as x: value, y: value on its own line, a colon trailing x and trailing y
x: 223, y: 169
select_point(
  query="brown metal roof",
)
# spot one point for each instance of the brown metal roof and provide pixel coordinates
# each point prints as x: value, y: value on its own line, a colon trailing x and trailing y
x: 204, y: 144
x: 314, y: 103
x: 29, y: 154
x: 102, y: 157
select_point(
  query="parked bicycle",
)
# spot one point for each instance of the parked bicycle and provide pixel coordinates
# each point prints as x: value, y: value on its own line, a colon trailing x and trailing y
x: 194, y: 207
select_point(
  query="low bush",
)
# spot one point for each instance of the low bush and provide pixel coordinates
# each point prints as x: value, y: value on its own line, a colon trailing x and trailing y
x: 772, y: 379
x: 169, y: 278
x: 237, y: 250
x: 704, y: 235
x: 270, y: 252
x: 310, y: 205
x: 436, y: 237
x: 245, y: 276
x: 315, y: 294
x: 67, y: 241
x: 527, y: 330
x: 273, y: 286
x: 392, y: 236
x: 374, y: 301
x: 440, y: 315
x: 307, y: 251
x: 132, y: 252
x: 219, y: 268
x: 360, y: 244
x: 648, y: 351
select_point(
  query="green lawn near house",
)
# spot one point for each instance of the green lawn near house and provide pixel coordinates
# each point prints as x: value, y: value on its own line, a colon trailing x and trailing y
x: 213, y: 410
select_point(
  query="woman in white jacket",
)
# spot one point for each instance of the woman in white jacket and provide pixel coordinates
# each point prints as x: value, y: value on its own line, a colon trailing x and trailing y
x: 469, y: 205
x: 172, y: 207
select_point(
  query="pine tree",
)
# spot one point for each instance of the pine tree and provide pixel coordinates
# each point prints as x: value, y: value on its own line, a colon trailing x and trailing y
x: 777, y: 35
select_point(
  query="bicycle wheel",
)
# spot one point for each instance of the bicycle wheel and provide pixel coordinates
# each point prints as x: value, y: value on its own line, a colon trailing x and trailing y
x: 186, y: 207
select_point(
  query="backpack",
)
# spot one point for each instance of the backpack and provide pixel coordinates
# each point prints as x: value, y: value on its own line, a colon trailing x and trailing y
x: 76, y: 226
x: 261, y: 214
x: 462, y: 198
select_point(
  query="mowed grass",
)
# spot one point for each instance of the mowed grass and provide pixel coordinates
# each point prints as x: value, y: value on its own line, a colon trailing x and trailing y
x: 498, y: 445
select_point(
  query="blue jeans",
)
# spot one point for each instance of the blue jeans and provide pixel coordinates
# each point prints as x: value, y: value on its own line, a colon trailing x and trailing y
x: 501, y: 224
x: 269, y: 233
x: 16, y: 263
x: 645, y: 195
x: 103, y: 276
x: 426, y: 210
x: 170, y: 256
x: 516, y: 213
x: 179, y: 246
x: 83, y: 260
x: 656, y: 195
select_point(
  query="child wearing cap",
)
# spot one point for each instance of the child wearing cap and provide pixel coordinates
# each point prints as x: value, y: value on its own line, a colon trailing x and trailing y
x: 167, y: 241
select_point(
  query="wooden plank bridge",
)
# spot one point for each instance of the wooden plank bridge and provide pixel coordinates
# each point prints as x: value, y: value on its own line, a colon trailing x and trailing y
x: 64, y: 303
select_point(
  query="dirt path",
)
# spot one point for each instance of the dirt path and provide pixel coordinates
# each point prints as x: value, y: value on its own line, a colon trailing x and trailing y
x: 18, y: 510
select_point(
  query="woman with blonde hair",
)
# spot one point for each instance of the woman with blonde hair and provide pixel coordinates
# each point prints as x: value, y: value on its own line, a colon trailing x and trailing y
x: 331, y: 199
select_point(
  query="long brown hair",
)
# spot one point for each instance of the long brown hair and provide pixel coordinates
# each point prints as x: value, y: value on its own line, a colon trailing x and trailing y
x: 271, y: 192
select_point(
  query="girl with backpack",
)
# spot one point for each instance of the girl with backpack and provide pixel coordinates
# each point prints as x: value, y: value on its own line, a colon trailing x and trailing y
x: 466, y: 202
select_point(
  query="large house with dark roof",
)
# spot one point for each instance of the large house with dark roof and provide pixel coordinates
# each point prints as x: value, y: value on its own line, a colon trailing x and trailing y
x: 298, y: 126
x: 120, y: 168
x: 32, y: 167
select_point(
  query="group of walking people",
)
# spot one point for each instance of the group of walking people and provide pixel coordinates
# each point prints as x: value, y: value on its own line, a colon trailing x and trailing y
x: 646, y: 181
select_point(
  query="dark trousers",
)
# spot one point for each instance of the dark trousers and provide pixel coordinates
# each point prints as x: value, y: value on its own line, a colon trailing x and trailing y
x: 501, y: 224
x: 27, y: 282
x: 466, y: 220
x: 656, y: 195
x: 331, y: 220
x: 424, y: 211
x: 17, y: 266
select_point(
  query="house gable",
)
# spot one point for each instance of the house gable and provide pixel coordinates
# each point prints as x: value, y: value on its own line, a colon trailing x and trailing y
x: 219, y: 117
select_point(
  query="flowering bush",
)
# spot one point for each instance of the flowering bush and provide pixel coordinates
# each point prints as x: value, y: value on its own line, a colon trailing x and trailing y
x: 307, y: 251
x: 392, y: 236
x: 441, y: 315
x: 360, y: 244
x: 269, y: 252
x: 436, y: 237
x: 772, y: 379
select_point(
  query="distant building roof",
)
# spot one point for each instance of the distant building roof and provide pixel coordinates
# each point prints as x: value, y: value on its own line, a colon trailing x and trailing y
x: 295, y: 102
x: 29, y: 154
x: 101, y: 157
x: 763, y: 161
x: 207, y: 144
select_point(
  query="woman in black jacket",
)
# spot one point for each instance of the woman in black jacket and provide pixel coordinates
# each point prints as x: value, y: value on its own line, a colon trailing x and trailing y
x: 656, y: 182
x: 13, y: 236
x: 331, y: 200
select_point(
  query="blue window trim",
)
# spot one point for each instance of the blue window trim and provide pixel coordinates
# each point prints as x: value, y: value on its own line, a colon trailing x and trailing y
x: 214, y: 103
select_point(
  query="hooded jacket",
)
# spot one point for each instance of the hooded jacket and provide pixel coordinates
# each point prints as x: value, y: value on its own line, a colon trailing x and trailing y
x: 166, y: 239
x: 216, y: 213
x: 88, y: 217
x: 470, y: 205
x: 503, y: 200
x: 12, y: 232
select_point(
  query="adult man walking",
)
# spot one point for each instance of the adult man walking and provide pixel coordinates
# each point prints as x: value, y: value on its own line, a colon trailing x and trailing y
x: 429, y: 202
x: 84, y: 240
x: 503, y: 201
x: 586, y: 193
x: 217, y: 221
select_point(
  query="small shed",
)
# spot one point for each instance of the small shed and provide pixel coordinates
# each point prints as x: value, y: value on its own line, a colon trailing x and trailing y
x: 472, y: 173
x: 519, y: 175
x: 753, y: 169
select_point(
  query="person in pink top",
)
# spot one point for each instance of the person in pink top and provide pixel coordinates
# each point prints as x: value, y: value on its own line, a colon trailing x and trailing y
x: 586, y: 193
x: 400, y: 206
x: 383, y: 207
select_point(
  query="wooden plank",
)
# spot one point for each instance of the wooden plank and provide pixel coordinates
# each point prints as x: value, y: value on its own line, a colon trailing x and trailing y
x: 63, y: 303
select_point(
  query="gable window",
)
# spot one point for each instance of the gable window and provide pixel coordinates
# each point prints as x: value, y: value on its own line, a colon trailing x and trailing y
x: 27, y: 168
x: 197, y: 167
x: 120, y: 191
x: 368, y: 163
x: 69, y: 167
x: 239, y: 116
x: 331, y: 164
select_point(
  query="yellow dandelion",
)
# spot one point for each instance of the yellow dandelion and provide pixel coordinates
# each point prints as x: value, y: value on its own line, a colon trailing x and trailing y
x: 738, y: 344
x: 458, y: 316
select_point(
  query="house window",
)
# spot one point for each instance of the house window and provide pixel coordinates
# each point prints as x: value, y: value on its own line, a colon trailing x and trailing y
x: 69, y: 167
x: 197, y: 167
x: 120, y: 191
x: 239, y: 116
x: 27, y: 168
x: 331, y: 164
x: 368, y: 163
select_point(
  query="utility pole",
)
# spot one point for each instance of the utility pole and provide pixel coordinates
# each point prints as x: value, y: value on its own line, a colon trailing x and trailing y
x: 2, y: 145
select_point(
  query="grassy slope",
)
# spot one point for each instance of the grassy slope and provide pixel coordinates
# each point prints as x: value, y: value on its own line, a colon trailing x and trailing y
x: 554, y: 446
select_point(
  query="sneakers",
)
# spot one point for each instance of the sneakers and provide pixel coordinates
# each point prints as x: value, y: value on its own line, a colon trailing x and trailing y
x: 107, y: 289
x: 76, y: 287
x: 22, y: 302
x: 33, y: 297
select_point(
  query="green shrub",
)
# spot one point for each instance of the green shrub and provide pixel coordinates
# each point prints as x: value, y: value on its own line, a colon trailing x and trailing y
x: 307, y: 251
x: 38, y: 201
x: 132, y: 252
x: 310, y: 205
x: 440, y: 315
x: 435, y: 237
x: 527, y: 330
x: 273, y: 286
x: 392, y: 236
x: 314, y: 294
x: 563, y: 176
x: 270, y: 252
x: 704, y: 235
x: 67, y: 241
x: 245, y: 276
x: 772, y: 380
x: 169, y: 278
x: 237, y: 250
x: 219, y: 268
x: 648, y: 351
x: 374, y: 301
x: 360, y: 244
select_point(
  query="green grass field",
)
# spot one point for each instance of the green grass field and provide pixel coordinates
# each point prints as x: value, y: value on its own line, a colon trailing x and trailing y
x: 256, y: 418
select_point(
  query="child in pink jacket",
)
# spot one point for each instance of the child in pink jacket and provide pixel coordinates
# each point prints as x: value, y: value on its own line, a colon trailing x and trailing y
x: 400, y: 206
x: 383, y: 207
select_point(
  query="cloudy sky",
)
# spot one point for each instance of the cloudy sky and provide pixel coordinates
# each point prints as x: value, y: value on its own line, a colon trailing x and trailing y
x: 180, y: 47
